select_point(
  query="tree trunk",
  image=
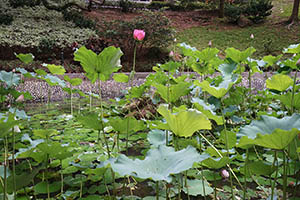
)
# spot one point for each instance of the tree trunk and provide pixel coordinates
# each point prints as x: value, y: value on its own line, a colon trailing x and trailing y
x: 221, y: 8
x: 294, y: 15
x: 63, y: 7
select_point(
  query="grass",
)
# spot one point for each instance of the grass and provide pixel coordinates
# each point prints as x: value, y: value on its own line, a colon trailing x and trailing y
x: 267, y: 39
x: 270, y: 37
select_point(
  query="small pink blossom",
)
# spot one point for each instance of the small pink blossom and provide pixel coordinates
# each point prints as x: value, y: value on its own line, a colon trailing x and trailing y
x: 252, y: 36
x: 20, y: 98
x: 210, y: 43
x: 171, y: 54
x: 224, y: 173
x: 139, y: 35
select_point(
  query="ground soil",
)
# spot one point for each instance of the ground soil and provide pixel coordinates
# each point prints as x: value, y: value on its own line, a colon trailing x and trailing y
x: 180, y: 20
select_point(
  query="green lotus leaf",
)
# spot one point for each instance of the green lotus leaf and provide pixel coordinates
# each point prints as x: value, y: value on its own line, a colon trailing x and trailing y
x: 56, y: 69
x: 25, y: 58
x: 122, y: 124
x: 286, y: 99
x: 174, y: 92
x: 186, y: 49
x: 195, y: 188
x: 239, y: 56
x: 271, y: 132
x: 219, y: 91
x: 121, y: 78
x: 207, y: 54
x: 73, y: 81
x: 42, y: 187
x: 157, y: 137
x: 9, y: 78
x: 279, y: 82
x: 40, y: 72
x: 294, y: 48
x: 170, y: 66
x: 215, y: 163
x: 92, y: 121
x: 6, y: 125
x: 54, y: 80
x: 186, y: 122
x: 271, y: 60
x: 227, y: 69
x: 208, y: 110
x: 104, y: 64
x: 159, y: 164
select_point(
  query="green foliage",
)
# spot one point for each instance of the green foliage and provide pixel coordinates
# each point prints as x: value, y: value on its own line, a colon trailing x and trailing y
x: 119, y: 32
x: 6, y: 19
x: 258, y: 10
x: 22, y: 3
x: 255, y: 10
x: 180, y: 6
x: 78, y: 19
x: 126, y: 6
x: 233, y: 12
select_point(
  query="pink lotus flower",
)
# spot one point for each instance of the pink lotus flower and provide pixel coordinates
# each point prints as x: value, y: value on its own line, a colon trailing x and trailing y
x: 224, y: 173
x: 139, y: 35
x: 20, y: 98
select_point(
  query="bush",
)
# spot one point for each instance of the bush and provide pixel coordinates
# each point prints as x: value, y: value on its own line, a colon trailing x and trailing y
x: 78, y: 19
x: 119, y: 32
x: 22, y: 3
x: 6, y: 19
x: 233, y: 12
x: 182, y: 6
x: 258, y: 10
x: 126, y: 6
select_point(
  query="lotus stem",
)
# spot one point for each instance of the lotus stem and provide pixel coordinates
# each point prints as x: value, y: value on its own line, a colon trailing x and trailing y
x: 227, y: 148
x: 5, y: 169
x: 204, y: 195
x: 221, y: 156
x: 61, y: 178
x: 157, y: 191
x: 14, y: 164
x: 298, y: 174
x: 284, y: 176
x: 293, y: 93
x: 274, y: 181
x: 245, y: 173
x: 186, y: 185
x: 71, y: 100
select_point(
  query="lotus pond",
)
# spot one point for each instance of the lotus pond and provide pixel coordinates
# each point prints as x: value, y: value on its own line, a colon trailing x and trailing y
x: 176, y: 136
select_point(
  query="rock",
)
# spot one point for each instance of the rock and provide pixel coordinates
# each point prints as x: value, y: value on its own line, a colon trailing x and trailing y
x: 244, y: 21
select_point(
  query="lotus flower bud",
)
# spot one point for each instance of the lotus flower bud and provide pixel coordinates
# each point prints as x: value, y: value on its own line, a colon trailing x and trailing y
x: 139, y: 35
x: 252, y: 36
x: 224, y: 173
x: 171, y: 54
x: 20, y: 98
x: 210, y: 43
x: 175, y: 40
x: 17, y: 129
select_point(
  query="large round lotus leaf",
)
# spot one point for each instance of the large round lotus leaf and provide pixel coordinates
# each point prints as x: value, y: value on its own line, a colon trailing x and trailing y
x: 197, y: 187
x: 279, y: 82
x: 25, y: 58
x: 271, y: 132
x: 186, y: 122
x: 158, y: 164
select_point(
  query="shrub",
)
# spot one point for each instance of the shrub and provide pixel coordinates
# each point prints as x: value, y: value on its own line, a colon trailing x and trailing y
x: 258, y: 10
x: 22, y: 3
x: 78, y: 19
x: 126, y: 6
x: 233, y: 12
x: 6, y: 19
x: 119, y: 32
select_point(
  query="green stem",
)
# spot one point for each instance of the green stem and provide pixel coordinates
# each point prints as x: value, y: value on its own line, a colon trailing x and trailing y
x: 61, y: 179
x: 215, y: 186
x: 227, y: 148
x: 284, y: 176
x: 293, y: 93
x: 221, y: 156
x: 274, y: 181
x: 5, y: 169
x: 14, y: 164
x: 101, y: 116
x: 157, y: 191
x: 297, y: 174
x: 187, y: 187
x: 245, y: 173
x: 71, y: 101
x: 259, y: 185
x: 203, y: 185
